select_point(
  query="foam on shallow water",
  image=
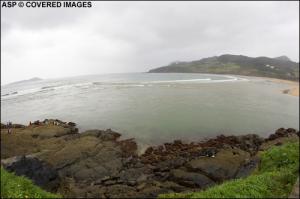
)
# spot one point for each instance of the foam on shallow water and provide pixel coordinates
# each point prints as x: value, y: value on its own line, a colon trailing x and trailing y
x: 180, y: 80
x: 125, y: 84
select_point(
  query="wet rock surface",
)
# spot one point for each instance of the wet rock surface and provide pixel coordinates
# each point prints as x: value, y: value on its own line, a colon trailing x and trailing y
x: 97, y: 163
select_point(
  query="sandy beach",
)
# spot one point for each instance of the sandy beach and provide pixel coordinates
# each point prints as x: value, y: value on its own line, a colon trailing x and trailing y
x: 293, y: 86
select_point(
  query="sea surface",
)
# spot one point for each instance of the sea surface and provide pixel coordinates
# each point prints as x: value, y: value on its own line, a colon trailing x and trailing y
x: 156, y: 108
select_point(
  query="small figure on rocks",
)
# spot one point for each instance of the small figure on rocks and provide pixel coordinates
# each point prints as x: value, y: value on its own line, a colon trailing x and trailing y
x: 9, y: 127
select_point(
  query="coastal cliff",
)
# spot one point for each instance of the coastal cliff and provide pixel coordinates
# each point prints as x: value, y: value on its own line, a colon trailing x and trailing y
x: 98, y: 163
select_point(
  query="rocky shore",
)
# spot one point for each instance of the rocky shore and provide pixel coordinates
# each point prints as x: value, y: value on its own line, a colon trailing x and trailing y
x: 97, y: 163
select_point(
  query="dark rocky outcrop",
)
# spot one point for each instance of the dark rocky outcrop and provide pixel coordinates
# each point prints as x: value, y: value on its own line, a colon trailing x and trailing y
x: 41, y: 173
x: 97, y: 163
x: 223, y: 167
x: 248, y: 167
x: 282, y: 133
x: 191, y: 179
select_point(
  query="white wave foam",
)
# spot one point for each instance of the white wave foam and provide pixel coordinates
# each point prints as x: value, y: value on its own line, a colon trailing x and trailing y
x: 139, y: 85
x: 87, y: 85
x: 206, y: 80
x: 180, y: 80
x: 130, y: 85
x: 45, y: 89
x: 67, y: 86
x: 227, y: 80
x: 84, y: 85
x: 20, y: 93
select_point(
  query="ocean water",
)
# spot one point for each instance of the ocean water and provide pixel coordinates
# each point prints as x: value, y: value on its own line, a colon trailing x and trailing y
x: 156, y: 108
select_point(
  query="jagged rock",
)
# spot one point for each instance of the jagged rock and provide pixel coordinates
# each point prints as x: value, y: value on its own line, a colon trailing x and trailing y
x: 128, y: 147
x: 102, y: 135
x: 41, y: 173
x: 249, y: 143
x: 71, y: 124
x: 170, y: 185
x: 282, y: 132
x: 152, y: 191
x: 37, y: 122
x: 149, y: 151
x: 222, y: 167
x: 191, y: 179
x: 248, y: 167
x: 170, y: 164
x: 120, y: 191
x: 278, y: 140
x: 133, y: 176
x: 208, y: 152
x: 170, y: 151
x: 46, y: 132
x: 110, y: 182
x: 87, y: 159
x: 178, y: 143
x: 96, y: 163
x: 107, y: 135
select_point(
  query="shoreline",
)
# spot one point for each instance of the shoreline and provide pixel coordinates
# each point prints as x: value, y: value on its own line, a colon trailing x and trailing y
x: 98, y: 164
x: 293, y: 89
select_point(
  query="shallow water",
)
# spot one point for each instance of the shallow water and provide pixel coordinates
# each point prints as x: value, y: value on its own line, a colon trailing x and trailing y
x: 155, y: 108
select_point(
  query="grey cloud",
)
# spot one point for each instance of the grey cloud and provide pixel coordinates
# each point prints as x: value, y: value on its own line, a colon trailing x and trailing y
x: 136, y: 36
x: 37, y: 19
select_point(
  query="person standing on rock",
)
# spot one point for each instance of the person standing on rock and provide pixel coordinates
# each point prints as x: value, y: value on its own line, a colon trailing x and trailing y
x: 9, y: 127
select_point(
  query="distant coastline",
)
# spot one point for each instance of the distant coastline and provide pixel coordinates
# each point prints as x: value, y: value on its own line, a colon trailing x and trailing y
x: 278, y: 67
x: 26, y: 80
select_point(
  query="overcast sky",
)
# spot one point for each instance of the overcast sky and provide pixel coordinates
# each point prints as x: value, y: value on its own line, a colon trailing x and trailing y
x: 118, y: 37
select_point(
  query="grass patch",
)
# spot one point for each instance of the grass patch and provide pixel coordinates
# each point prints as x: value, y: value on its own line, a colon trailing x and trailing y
x: 283, y: 157
x: 275, y: 178
x: 13, y: 186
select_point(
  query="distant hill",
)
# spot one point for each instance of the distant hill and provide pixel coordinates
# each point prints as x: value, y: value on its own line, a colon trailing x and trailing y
x: 280, y: 67
x: 26, y: 80
x: 283, y: 58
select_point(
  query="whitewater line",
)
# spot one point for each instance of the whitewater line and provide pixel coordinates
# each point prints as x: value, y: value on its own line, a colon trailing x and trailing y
x: 179, y: 80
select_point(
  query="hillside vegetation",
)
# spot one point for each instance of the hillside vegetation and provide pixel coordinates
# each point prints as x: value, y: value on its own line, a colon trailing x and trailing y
x: 280, y: 67
x: 274, y: 178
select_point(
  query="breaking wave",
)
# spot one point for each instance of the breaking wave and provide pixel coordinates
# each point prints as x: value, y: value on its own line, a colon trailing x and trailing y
x: 107, y: 84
